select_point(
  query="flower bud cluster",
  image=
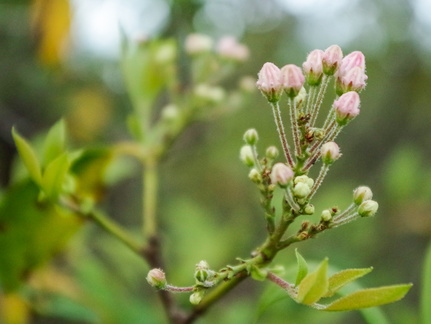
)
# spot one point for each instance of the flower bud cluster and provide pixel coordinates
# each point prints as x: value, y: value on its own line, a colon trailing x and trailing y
x: 362, y: 197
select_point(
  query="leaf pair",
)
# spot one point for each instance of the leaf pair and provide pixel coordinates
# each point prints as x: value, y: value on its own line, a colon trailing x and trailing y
x: 56, y: 161
x: 311, y: 287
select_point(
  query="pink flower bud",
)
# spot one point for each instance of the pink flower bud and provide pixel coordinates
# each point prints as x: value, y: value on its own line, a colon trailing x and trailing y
x: 330, y: 152
x: 198, y: 43
x: 229, y: 48
x: 269, y: 82
x: 347, y: 107
x: 313, y: 67
x: 332, y: 59
x: 281, y: 174
x: 352, y: 80
x: 292, y: 79
x: 156, y: 278
x: 352, y: 60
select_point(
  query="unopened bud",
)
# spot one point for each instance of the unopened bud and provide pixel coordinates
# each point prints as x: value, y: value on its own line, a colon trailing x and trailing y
x: 269, y: 82
x: 255, y: 176
x: 332, y: 59
x: 196, y: 297
x: 203, y: 272
x: 271, y: 152
x: 292, y: 79
x: 156, y: 278
x: 330, y: 152
x: 368, y: 208
x: 281, y: 174
x: 362, y: 194
x: 347, y: 107
x: 326, y: 215
x: 301, y: 190
x: 309, y: 209
x: 313, y: 67
x: 246, y: 155
x: 352, y: 80
x: 304, y: 179
x: 251, y: 136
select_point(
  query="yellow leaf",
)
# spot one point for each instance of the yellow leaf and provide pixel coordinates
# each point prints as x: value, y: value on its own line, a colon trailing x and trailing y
x: 51, y: 24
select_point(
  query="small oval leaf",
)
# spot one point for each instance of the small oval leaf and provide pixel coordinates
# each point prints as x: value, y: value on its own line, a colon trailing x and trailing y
x: 369, y: 298
x: 314, y: 285
x: 342, y: 278
x: 28, y: 157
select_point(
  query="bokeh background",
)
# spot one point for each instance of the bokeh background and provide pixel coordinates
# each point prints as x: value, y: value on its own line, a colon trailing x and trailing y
x: 60, y: 58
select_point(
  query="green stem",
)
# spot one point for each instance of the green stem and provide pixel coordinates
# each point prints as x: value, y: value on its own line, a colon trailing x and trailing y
x: 149, y: 199
x: 105, y: 223
x: 114, y: 229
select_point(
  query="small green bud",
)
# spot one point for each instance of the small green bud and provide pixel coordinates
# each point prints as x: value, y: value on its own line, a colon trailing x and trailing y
x: 255, y: 176
x: 156, y: 278
x: 326, y: 215
x: 368, y: 208
x: 304, y: 179
x: 272, y: 152
x: 362, y: 194
x: 196, y: 297
x: 309, y: 209
x: 246, y: 155
x: 301, y: 190
x: 203, y: 272
x: 251, y: 136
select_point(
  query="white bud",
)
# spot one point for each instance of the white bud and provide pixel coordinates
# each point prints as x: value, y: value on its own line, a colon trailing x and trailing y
x: 362, y: 194
x: 246, y: 155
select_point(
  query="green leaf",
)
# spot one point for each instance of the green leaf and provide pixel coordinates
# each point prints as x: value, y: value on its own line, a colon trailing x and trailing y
x: 426, y: 289
x: 302, y: 268
x: 55, y: 175
x: 343, y: 277
x: 314, y: 285
x: 54, y: 144
x: 369, y: 298
x: 28, y: 157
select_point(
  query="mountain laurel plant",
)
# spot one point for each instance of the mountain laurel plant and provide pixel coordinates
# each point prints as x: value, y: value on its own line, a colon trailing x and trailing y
x: 150, y: 73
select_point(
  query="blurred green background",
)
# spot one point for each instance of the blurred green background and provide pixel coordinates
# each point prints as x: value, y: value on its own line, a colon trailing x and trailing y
x: 60, y: 58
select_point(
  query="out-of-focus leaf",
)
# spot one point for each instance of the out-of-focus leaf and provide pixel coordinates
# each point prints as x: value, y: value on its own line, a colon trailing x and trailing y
x: 426, y: 289
x: 369, y: 298
x: 343, y: 277
x: 32, y: 232
x: 51, y: 24
x: 55, y: 175
x: 28, y: 157
x: 314, y: 285
x: 13, y: 309
x: 302, y: 268
x: 90, y: 168
x: 54, y: 144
